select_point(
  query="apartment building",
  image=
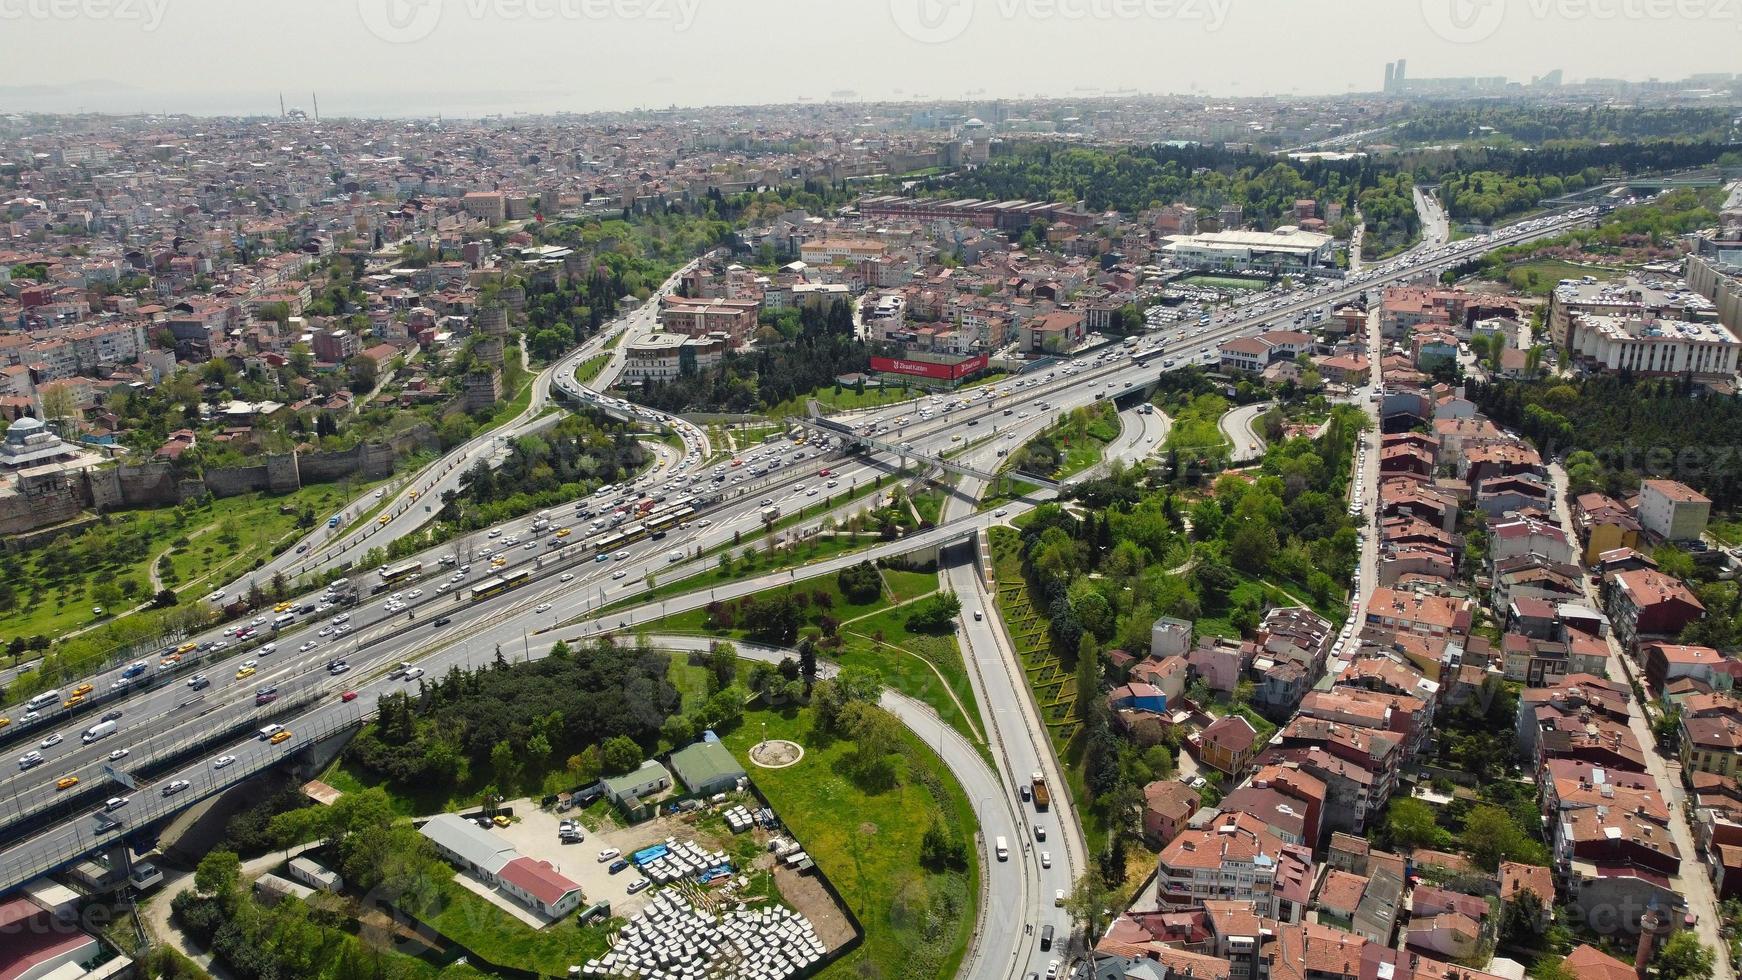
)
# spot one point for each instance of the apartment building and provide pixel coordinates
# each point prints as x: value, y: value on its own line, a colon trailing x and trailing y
x: 1652, y: 347
x: 1673, y: 511
x: 1236, y: 858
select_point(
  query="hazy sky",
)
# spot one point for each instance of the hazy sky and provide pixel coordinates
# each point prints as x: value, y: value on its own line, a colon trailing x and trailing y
x: 471, y: 57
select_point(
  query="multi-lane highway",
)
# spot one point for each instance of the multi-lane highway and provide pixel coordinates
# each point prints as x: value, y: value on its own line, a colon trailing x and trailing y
x: 570, y: 583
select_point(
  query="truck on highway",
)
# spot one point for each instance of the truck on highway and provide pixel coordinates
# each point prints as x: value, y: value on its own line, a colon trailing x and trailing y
x: 97, y: 732
x: 1042, y: 798
x: 771, y: 513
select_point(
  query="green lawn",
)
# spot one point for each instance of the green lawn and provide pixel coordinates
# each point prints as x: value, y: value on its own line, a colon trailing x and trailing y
x: 1726, y: 530
x: 808, y: 551
x: 917, y: 923
x: 502, y: 939
x: 841, y: 399
x: 912, y: 663
x: 1539, y: 277
x: 589, y: 369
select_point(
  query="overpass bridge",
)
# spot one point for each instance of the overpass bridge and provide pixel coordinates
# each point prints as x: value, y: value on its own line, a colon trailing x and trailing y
x: 130, y: 826
x: 1712, y: 177
x: 849, y: 436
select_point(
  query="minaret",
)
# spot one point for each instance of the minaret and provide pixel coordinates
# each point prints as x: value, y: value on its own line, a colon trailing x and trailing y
x: 317, y: 103
x: 1650, y: 925
x: 281, y: 105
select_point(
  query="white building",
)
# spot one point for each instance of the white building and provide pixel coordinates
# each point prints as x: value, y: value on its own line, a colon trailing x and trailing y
x: 1657, y: 347
x: 1285, y: 250
x: 1672, y: 510
x: 667, y: 356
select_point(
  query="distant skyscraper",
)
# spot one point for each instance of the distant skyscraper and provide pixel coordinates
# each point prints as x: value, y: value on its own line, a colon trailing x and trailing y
x: 1390, y: 75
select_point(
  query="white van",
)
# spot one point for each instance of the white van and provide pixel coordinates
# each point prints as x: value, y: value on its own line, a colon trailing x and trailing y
x: 269, y: 731
x: 43, y: 700
x: 1003, y: 849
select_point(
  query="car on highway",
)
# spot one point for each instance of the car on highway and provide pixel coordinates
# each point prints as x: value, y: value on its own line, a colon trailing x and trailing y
x: 119, y: 754
x: 66, y: 782
x: 413, y: 674
x: 1046, y: 859
x: 567, y: 577
x: 51, y: 741
x: 223, y: 762
x: 29, y: 760
x: 281, y: 737
x: 542, y: 607
x: 115, y: 802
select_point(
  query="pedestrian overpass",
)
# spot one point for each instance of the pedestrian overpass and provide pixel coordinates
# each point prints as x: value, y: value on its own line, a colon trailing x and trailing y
x: 849, y: 436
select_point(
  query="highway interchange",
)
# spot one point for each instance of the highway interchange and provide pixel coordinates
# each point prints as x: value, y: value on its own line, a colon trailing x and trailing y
x: 438, y: 629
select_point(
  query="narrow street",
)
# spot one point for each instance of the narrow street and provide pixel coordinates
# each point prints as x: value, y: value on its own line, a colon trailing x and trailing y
x: 1693, y: 882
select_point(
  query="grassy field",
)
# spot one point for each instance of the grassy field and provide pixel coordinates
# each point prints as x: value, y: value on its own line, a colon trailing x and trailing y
x: 841, y: 399
x: 1197, y: 433
x: 917, y: 923
x: 1539, y: 277
x: 924, y: 667
x: 504, y: 940
x: 55, y: 587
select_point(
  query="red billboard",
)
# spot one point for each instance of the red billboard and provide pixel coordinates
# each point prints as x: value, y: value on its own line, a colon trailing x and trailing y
x: 930, y: 369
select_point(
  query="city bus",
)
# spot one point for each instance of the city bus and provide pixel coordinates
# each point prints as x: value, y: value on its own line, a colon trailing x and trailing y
x: 501, y: 583
x: 403, y: 570
x: 671, y: 519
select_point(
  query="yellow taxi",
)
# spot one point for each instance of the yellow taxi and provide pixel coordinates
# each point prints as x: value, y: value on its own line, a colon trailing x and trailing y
x: 563, y: 532
x: 383, y: 519
x: 4, y: 722
x: 500, y: 820
x: 66, y: 782
x: 82, y: 690
x: 282, y: 607
x: 188, y: 647
x: 73, y: 701
x: 245, y: 672
x: 498, y: 561
x: 278, y: 737
x: 414, y: 494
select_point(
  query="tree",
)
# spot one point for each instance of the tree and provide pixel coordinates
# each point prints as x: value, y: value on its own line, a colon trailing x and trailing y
x: 1088, y: 674
x: 939, y: 850
x: 1491, y: 836
x: 1684, y: 957
x: 165, y: 598
x: 722, y: 665
x: 935, y: 613
x: 621, y: 754
x: 218, y: 873
x: 505, y: 763
x: 1411, y: 823
x: 860, y: 584
x: 1088, y: 900
x: 1521, y: 919
x: 363, y: 373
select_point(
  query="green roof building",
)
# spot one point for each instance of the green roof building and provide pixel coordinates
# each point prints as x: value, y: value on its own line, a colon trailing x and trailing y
x: 706, y: 768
